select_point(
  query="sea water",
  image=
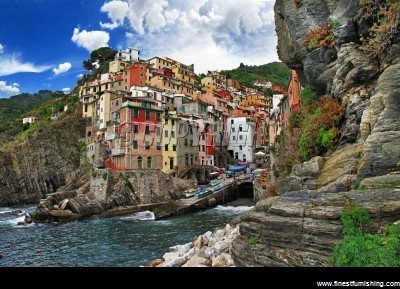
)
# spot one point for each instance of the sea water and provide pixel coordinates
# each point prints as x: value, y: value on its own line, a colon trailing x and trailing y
x: 125, y: 241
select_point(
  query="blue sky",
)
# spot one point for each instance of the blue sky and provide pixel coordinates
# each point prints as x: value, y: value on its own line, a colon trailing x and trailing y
x: 44, y: 42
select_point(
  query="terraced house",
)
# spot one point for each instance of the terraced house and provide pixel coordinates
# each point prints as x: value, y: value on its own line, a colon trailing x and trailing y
x: 154, y: 115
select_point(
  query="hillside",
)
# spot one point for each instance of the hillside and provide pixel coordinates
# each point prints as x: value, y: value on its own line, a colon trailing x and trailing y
x: 13, y: 109
x: 276, y: 72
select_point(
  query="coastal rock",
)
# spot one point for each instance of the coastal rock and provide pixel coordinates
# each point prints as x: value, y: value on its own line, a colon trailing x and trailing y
x: 215, y: 253
x: 42, y: 164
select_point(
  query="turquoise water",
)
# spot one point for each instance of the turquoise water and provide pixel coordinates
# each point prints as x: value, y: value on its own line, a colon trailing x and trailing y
x: 96, y: 243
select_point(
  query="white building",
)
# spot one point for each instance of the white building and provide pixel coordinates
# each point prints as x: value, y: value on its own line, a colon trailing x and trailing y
x: 29, y: 119
x: 129, y: 54
x: 241, y: 132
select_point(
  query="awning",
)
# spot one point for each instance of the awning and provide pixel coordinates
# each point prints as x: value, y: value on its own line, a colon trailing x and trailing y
x: 237, y: 168
x: 260, y: 154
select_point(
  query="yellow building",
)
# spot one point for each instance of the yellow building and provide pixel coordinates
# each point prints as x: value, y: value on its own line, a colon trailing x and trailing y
x: 117, y: 65
x: 169, y: 143
x: 254, y: 99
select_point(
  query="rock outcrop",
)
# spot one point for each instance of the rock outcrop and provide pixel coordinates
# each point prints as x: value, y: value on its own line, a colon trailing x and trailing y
x: 42, y: 164
x: 301, y: 225
x: 111, y: 192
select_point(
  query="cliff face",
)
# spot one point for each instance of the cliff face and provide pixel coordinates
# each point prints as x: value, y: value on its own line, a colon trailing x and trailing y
x: 301, y: 225
x: 41, y: 164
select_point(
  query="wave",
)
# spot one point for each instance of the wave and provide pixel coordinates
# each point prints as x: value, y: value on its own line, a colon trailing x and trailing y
x: 10, y: 212
x: 233, y: 209
x: 140, y: 216
x: 18, y: 222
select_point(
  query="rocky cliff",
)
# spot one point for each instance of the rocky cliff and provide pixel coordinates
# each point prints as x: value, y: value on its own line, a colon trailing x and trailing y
x: 42, y: 163
x: 301, y: 225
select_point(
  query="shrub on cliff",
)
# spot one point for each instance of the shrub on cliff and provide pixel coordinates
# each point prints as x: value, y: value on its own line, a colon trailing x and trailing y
x: 383, y: 19
x: 362, y: 249
x: 312, y: 131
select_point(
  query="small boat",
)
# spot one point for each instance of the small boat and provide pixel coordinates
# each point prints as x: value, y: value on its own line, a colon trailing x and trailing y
x: 218, y: 187
x: 190, y: 193
x: 204, y: 192
x: 214, y: 175
x: 215, y: 182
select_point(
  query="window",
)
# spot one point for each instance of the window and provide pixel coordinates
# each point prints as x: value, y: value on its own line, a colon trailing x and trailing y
x: 203, y: 148
x: 147, y: 114
x: 135, y: 112
x: 234, y: 138
x: 149, y: 162
x: 233, y: 129
x: 173, y: 134
x: 240, y: 147
x: 241, y: 137
x: 186, y: 142
x: 147, y: 130
x: 158, y: 115
x: 135, y: 128
x: 240, y: 128
x: 232, y: 121
x: 166, y: 133
x: 172, y: 122
x: 191, y: 142
x: 158, y: 131
x: 174, y: 148
x: 158, y: 146
x: 135, y: 144
x: 147, y: 145
x: 139, y: 162
x: 166, y: 147
x: 186, y: 159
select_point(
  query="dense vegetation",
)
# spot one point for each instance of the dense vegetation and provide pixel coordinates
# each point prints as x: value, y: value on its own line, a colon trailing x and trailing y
x: 361, y: 249
x: 311, y: 131
x: 276, y: 72
x: 13, y: 109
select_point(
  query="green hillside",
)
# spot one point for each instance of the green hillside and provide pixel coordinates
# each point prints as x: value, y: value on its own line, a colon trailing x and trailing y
x: 13, y: 109
x: 276, y: 72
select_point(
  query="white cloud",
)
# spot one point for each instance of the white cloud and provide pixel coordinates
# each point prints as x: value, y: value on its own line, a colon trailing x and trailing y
x: 10, y: 64
x: 90, y: 40
x: 66, y: 89
x: 1, y: 48
x: 211, y: 34
x: 8, y: 90
x: 129, y: 35
x: 80, y: 75
x: 62, y: 68
x: 116, y: 11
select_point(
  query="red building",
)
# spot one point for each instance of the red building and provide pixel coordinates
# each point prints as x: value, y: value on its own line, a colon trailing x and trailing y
x: 139, y: 143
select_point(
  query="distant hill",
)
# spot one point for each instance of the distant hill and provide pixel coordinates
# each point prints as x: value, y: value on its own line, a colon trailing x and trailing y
x: 276, y: 72
x: 14, y: 108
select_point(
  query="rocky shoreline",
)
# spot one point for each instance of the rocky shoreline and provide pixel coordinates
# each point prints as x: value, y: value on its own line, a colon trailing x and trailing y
x: 211, y: 249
